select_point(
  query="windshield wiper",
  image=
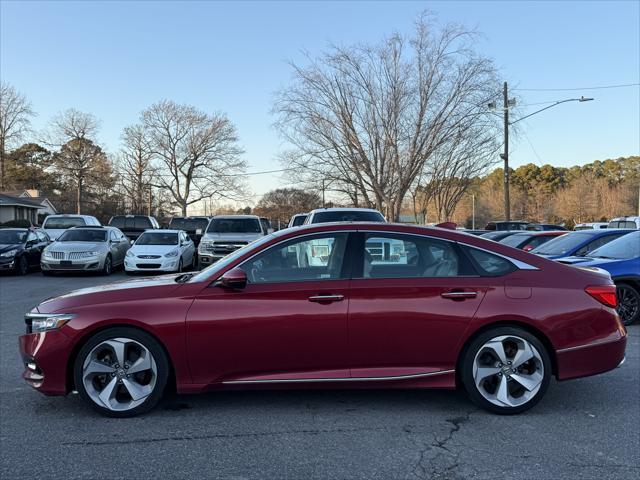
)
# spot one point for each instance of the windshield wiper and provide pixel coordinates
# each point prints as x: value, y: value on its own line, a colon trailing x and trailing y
x: 184, y: 277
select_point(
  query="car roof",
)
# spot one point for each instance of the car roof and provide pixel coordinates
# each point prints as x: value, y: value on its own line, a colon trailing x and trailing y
x: 76, y: 215
x: 255, y: 217
x: 345, y: 209
x: 162, y: 230
x: 542, y: 233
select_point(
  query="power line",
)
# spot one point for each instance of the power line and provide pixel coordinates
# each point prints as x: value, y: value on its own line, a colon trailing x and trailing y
x: 601, y: 87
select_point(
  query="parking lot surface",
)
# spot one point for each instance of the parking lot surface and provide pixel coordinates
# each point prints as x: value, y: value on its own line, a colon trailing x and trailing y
x: 587, y: 428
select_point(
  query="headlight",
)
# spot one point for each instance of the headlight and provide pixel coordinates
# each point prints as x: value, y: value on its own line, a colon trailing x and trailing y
x: 130, y: 253
x: 42, y: 322
x: 172, y: 253
x: 10, y: 253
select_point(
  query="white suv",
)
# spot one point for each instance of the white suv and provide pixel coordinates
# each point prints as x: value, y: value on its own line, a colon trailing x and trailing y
x: 55, y: 225
x: 327, y: 215
x: 625, y: 222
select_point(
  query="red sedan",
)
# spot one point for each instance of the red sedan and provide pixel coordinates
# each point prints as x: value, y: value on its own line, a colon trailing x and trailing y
x: 338, y: 305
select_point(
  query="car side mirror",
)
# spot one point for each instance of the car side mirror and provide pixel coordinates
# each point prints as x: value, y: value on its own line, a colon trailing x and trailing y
x: 236, y: 278
x: 132, y: 242
x: 270, y: 230
x: 199, y: 231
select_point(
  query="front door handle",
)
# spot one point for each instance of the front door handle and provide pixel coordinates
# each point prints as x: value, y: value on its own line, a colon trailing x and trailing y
x: 326, y: 298
x: 459, y: 295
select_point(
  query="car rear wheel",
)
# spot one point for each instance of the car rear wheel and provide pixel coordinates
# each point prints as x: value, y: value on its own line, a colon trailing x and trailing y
x: 121, y: 372
x: 628, y: 303
x: 506, y: 370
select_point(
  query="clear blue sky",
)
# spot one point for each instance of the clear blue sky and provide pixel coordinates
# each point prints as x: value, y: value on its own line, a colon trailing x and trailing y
x: 116, y: 58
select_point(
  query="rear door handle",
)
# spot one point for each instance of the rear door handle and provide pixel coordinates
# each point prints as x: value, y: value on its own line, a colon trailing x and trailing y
x: 326, y: 298
x: 459, y: 295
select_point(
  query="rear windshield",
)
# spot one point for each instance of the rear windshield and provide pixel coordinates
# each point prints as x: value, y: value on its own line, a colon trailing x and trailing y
x: 347, y: 216
x: 298, y: 220
x: 563, y: 244
x: 189, y: 224
x: 515, y: 240
x: 83, y: 236
x: 62, y: 223
x: 157, y: 238
x: 128, y: 223
x: 622, y: 224
x: 234, y: 225
x: 10, y: 237
x: 621, y: 248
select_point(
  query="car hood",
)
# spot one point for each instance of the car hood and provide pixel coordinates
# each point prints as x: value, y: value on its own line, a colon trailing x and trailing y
x: 231, y: 237
x: 127, y: 290
x: 77, y: 246
x: 572, y: 260
x: 152, y: 249
x: 11, y: 246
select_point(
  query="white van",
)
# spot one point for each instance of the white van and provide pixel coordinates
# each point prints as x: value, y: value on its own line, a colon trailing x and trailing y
x: 55, y: 225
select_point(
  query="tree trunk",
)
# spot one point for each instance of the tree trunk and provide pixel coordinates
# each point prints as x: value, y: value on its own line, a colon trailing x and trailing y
x: 79, y: 197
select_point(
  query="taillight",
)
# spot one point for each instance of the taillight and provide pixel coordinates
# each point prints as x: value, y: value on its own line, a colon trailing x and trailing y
x: 605, y: 294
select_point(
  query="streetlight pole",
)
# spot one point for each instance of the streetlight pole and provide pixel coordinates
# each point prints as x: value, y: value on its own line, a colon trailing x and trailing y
x: 505, y: 154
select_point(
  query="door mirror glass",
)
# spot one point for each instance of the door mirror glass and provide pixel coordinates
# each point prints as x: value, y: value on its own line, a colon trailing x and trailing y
x: 235, y: 278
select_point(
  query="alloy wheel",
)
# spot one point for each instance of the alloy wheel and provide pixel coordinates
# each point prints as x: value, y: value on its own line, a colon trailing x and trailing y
x: 508, y: 371
x: 628, y: 304
x: 119, y: 374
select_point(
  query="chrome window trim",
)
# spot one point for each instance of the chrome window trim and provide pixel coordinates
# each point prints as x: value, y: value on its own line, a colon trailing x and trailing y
x: 354, y: 379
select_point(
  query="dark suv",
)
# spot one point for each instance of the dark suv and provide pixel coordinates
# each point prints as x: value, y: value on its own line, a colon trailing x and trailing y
x: 133, y: 225
x: 194, y: 226
x: 20, y: 248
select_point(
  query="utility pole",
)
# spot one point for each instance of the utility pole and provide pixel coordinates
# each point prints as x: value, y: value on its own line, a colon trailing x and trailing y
x: 505, y: 155
x: 150, y: 202
x: 473, y: 211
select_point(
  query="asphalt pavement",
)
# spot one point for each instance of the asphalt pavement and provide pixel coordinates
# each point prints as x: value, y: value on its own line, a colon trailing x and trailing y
x: 586, y: 428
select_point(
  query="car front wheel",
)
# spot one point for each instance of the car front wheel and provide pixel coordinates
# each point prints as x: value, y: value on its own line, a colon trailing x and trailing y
x: 121, y: 372
x: 506, y: 370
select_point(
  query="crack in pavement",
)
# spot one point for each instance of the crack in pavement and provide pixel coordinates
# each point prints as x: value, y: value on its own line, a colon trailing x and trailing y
x: 445, y: 461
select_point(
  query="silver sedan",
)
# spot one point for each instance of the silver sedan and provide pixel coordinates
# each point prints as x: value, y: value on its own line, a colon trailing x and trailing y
x: 87, y: 249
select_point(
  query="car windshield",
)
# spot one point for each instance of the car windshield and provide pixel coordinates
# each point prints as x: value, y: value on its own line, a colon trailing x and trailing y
x: 62, y: 223
x: 562, y: 245
x: 234, y: 225
x: 627, y: 246
x: 347, y: 216
x: 515, y: 240
x: 189, y: 224
x: 10, y: 237
x: 83, y: 236
x: 212, y: 270
x: 158, y: 238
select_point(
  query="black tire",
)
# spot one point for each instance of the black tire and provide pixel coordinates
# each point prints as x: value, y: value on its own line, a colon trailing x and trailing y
x: 628, y: 303
x: 22, y: 267
x: 147, y: 341
x: 107, y: 266
x: 466, y: 369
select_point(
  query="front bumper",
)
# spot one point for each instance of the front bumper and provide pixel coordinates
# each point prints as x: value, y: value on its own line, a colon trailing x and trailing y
x: 7, y: 263
x: 45, y: 356
x: 594, y: 358
x: 86, y: 264
x: 206, y: 259
x: 162, y: 264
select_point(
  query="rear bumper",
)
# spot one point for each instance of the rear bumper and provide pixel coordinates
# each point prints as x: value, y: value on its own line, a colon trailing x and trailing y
x: 593, y: 358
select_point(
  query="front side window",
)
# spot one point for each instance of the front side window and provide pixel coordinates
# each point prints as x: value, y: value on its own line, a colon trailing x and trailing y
x: 408, y: 256
x: 309, y: 258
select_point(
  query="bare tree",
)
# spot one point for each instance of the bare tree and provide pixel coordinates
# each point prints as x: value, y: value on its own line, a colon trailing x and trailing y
x: 197, y: 154
x: 15, y: 121
x: 136, y: 169
x: 80, y: 159
x: 452, y: 170
x: 371, y: 117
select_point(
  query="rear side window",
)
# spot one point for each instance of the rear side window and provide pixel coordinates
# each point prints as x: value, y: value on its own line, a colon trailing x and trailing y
x: 488, y: 264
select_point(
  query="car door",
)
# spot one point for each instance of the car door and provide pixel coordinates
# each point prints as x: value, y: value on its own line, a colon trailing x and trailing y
x: 411, y: 300
x: 287, y: 324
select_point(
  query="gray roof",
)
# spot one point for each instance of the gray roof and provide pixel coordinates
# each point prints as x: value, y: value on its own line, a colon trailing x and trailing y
x: 10, y: 200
